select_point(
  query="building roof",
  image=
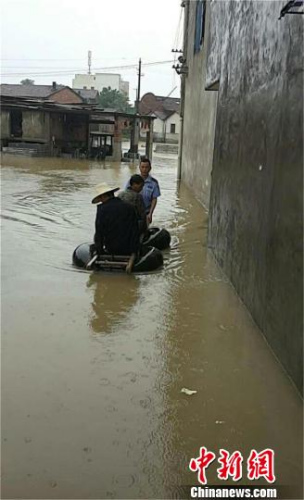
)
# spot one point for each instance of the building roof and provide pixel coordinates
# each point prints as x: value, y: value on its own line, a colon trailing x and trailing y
x: 169, y: 103
x: 165, y: 114
x: 43, y: 92
x: 161, y: 104
x: 38, y: 91
x: 97, y: 73
x: 47, y: 105
x: 87, y: 93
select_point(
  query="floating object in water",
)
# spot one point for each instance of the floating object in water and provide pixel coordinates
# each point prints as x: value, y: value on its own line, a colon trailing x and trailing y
x: 150, y: 259
x: 157, y: 237
x: 188, y: 391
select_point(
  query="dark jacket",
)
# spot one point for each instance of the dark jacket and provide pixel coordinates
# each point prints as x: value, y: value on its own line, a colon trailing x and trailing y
x: 136, y: 200
x: 116, y: 228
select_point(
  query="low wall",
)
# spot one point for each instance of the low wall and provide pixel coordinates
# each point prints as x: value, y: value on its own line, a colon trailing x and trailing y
x: 5, y: 124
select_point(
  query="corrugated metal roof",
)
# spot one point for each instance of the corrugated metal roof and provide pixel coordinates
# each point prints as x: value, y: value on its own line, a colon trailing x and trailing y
x: 12, y: 102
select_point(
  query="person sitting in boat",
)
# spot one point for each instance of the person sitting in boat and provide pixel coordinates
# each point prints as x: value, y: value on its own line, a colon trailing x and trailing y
x: 151, y: 190
x: 116, y: 226
x: 132, y: 195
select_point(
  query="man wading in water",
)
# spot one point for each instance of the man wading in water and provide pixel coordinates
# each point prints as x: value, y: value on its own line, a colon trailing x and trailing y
x: 150, y: 191
x: 116, y: 226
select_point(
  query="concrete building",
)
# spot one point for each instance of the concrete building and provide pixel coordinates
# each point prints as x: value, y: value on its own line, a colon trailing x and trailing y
x: 241, y: 153
x: 166, y: 111
x: 100, y: 81
x: 166, y: 126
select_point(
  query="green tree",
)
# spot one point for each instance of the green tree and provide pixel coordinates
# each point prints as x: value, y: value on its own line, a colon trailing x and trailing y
x: 27, y: 81
x: 115, y: 99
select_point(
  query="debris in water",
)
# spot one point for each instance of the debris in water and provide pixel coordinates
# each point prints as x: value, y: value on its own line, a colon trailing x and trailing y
x: 220, y: 421
x: 188, y: 391
x: 87, y: 449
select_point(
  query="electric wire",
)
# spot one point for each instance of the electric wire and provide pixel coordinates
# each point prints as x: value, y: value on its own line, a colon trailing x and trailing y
x: 73, y: 71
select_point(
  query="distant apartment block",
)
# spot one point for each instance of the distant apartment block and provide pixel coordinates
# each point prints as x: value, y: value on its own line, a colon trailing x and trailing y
x: 101, y: 80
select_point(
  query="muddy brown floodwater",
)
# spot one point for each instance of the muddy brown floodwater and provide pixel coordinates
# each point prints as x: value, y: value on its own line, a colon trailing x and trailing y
x: 93, y: 364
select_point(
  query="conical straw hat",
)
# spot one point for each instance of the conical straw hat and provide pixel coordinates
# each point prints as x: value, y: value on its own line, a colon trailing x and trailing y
x: 103, y: 189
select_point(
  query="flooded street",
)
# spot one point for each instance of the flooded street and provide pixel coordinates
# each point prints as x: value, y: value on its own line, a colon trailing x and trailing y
x: 93, y: 364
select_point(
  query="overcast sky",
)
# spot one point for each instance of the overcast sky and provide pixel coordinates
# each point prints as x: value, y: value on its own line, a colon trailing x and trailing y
x: 52, y: 37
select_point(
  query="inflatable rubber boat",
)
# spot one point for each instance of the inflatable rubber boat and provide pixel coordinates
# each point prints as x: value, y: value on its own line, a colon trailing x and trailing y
x: 150, y: 259
x: 157, y: 237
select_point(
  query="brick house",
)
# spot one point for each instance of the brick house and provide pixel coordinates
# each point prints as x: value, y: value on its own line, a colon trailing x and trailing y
x: 57, y: 93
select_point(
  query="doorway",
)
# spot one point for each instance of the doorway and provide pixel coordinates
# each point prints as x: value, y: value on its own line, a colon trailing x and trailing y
x: 16, y: 123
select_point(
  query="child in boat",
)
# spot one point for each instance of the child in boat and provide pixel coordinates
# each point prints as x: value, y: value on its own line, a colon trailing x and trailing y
x: 132, y: 195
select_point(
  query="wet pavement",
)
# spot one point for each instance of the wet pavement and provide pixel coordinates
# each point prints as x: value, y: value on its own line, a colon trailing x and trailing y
x: 93, y: 364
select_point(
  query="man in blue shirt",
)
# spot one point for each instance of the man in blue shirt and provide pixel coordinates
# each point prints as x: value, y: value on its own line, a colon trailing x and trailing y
x: 150, y: 191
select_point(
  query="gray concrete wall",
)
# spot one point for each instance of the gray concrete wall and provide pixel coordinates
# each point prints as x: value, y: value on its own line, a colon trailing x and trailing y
x: 199, y: 116
x: 35, y: 125
x: 256, y: 218
x: 5, y: 124
x: 117, y: 151
x: 57, y: 127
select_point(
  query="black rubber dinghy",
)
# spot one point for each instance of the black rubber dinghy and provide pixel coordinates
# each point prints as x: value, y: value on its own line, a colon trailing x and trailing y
x: 157, y: 237
x: 150, y: 259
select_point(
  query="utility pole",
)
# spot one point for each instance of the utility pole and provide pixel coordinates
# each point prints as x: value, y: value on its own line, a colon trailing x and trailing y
x: 138, y: 85
x: 136, y: 122
x: 89, y: 61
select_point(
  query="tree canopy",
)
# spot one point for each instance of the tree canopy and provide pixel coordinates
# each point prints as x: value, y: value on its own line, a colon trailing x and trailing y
x: 109, y: 98
x: 27, y: 81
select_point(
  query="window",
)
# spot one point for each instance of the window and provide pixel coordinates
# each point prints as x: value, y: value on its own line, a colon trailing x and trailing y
x: 172, y: 128
x: 199, y: 25
x: 16, y: 123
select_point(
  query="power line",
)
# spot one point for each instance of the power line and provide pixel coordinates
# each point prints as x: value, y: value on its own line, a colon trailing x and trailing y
x: 59, y: 59
x: 73, y: 71
x: 177, y: 34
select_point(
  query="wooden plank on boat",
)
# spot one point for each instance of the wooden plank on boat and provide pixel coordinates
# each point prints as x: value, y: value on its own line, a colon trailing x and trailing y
x: 91, y: 261
x: 105, y: 263
x: 114, y: 258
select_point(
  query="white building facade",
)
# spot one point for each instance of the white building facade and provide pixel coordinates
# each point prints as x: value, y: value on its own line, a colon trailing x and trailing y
x: 165, y: 128
x: 172, y: 127
x: 100, y: 81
